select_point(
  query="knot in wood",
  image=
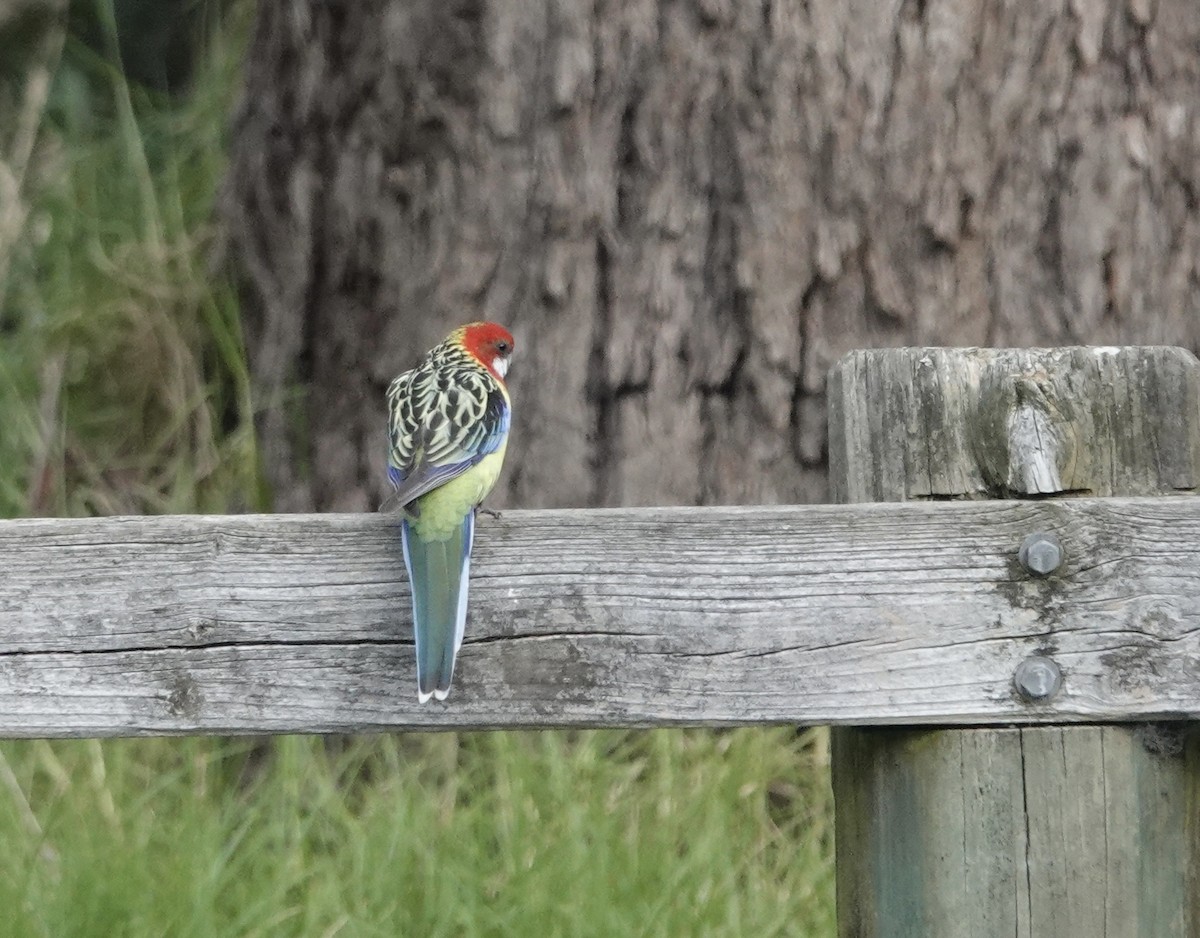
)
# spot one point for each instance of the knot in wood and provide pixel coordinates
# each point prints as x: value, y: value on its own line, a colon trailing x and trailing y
x: 1024, y: 438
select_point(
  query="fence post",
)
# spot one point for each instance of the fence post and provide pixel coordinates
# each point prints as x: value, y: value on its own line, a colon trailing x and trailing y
x: 1072, y: 831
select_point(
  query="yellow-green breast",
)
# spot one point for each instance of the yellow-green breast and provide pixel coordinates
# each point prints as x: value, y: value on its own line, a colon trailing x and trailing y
x: 443, y: 509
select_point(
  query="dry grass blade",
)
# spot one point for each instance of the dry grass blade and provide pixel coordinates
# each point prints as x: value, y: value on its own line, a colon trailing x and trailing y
x: 14, y: 166
x: 42, y: 476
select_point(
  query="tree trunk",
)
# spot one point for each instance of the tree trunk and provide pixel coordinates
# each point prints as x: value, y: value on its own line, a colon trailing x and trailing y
x: 687, y: 211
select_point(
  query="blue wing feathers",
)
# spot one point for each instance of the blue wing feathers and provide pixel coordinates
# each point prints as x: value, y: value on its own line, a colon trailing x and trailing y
x: 410, y: 484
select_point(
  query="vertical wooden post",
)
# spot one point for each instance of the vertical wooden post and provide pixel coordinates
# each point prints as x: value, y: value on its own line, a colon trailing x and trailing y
x: 1071, y: 831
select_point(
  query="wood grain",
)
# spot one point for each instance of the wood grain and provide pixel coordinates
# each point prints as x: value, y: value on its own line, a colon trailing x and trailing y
x: 1014, y: 423
x: 1027, y: 832
x: 868, y: 614
x: 1072, y: 831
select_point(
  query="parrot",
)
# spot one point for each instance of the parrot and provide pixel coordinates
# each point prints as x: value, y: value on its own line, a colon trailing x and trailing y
x: 448, y: 421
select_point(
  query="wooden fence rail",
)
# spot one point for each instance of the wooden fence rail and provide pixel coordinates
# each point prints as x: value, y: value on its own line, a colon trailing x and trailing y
x: 866, y: 614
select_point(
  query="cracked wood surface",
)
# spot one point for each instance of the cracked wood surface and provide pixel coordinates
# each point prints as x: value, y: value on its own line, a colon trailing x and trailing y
x: 868, y: 614
x: 1071, y: 831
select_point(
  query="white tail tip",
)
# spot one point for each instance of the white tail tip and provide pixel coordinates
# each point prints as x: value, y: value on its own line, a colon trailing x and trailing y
x: 441, y: 694
x: 423, y: 697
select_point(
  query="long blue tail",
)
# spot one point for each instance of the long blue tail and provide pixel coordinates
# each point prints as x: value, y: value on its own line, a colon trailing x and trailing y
x: 438, y: 572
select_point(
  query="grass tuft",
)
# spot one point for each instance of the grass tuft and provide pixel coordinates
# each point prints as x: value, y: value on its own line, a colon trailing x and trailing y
x: 140, y: 402
x: 595, y: 833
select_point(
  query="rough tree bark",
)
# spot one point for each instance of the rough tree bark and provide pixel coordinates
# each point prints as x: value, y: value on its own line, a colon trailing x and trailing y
x: 688, y: 210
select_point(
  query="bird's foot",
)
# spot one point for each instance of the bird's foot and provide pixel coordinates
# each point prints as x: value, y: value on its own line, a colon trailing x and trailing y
x: 491, y: 513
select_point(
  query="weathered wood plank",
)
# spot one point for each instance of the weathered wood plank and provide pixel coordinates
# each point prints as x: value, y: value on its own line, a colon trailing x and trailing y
x: 910, y: 860
x: 1051, y: 831
x: 1070, y: 831
x: 1001, y: 423
x: 867, y: 614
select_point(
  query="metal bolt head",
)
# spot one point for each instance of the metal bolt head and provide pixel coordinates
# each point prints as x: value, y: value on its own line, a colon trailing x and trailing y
x: 1037, y: 678
x: 1041, y: 553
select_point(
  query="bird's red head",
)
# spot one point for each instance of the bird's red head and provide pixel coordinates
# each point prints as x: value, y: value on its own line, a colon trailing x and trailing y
x: 490, y: 343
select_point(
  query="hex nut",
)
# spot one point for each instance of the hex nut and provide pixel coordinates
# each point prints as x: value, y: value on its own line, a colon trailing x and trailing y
x: 1037, y: 678
x: 1041, y: 553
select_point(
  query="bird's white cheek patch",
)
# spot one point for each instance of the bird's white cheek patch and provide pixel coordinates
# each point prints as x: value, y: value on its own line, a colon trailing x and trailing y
x: 500, y: 365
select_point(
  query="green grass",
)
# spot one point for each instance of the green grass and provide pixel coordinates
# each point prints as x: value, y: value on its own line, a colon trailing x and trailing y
x: 124, y: 388
x: 123, y: 382
x: 598, y: 833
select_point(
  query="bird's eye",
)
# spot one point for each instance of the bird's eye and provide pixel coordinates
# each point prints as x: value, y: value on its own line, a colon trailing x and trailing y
x: 503, y: 347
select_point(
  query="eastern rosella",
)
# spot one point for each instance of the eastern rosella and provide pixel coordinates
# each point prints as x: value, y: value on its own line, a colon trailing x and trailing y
x: 448, y: 422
